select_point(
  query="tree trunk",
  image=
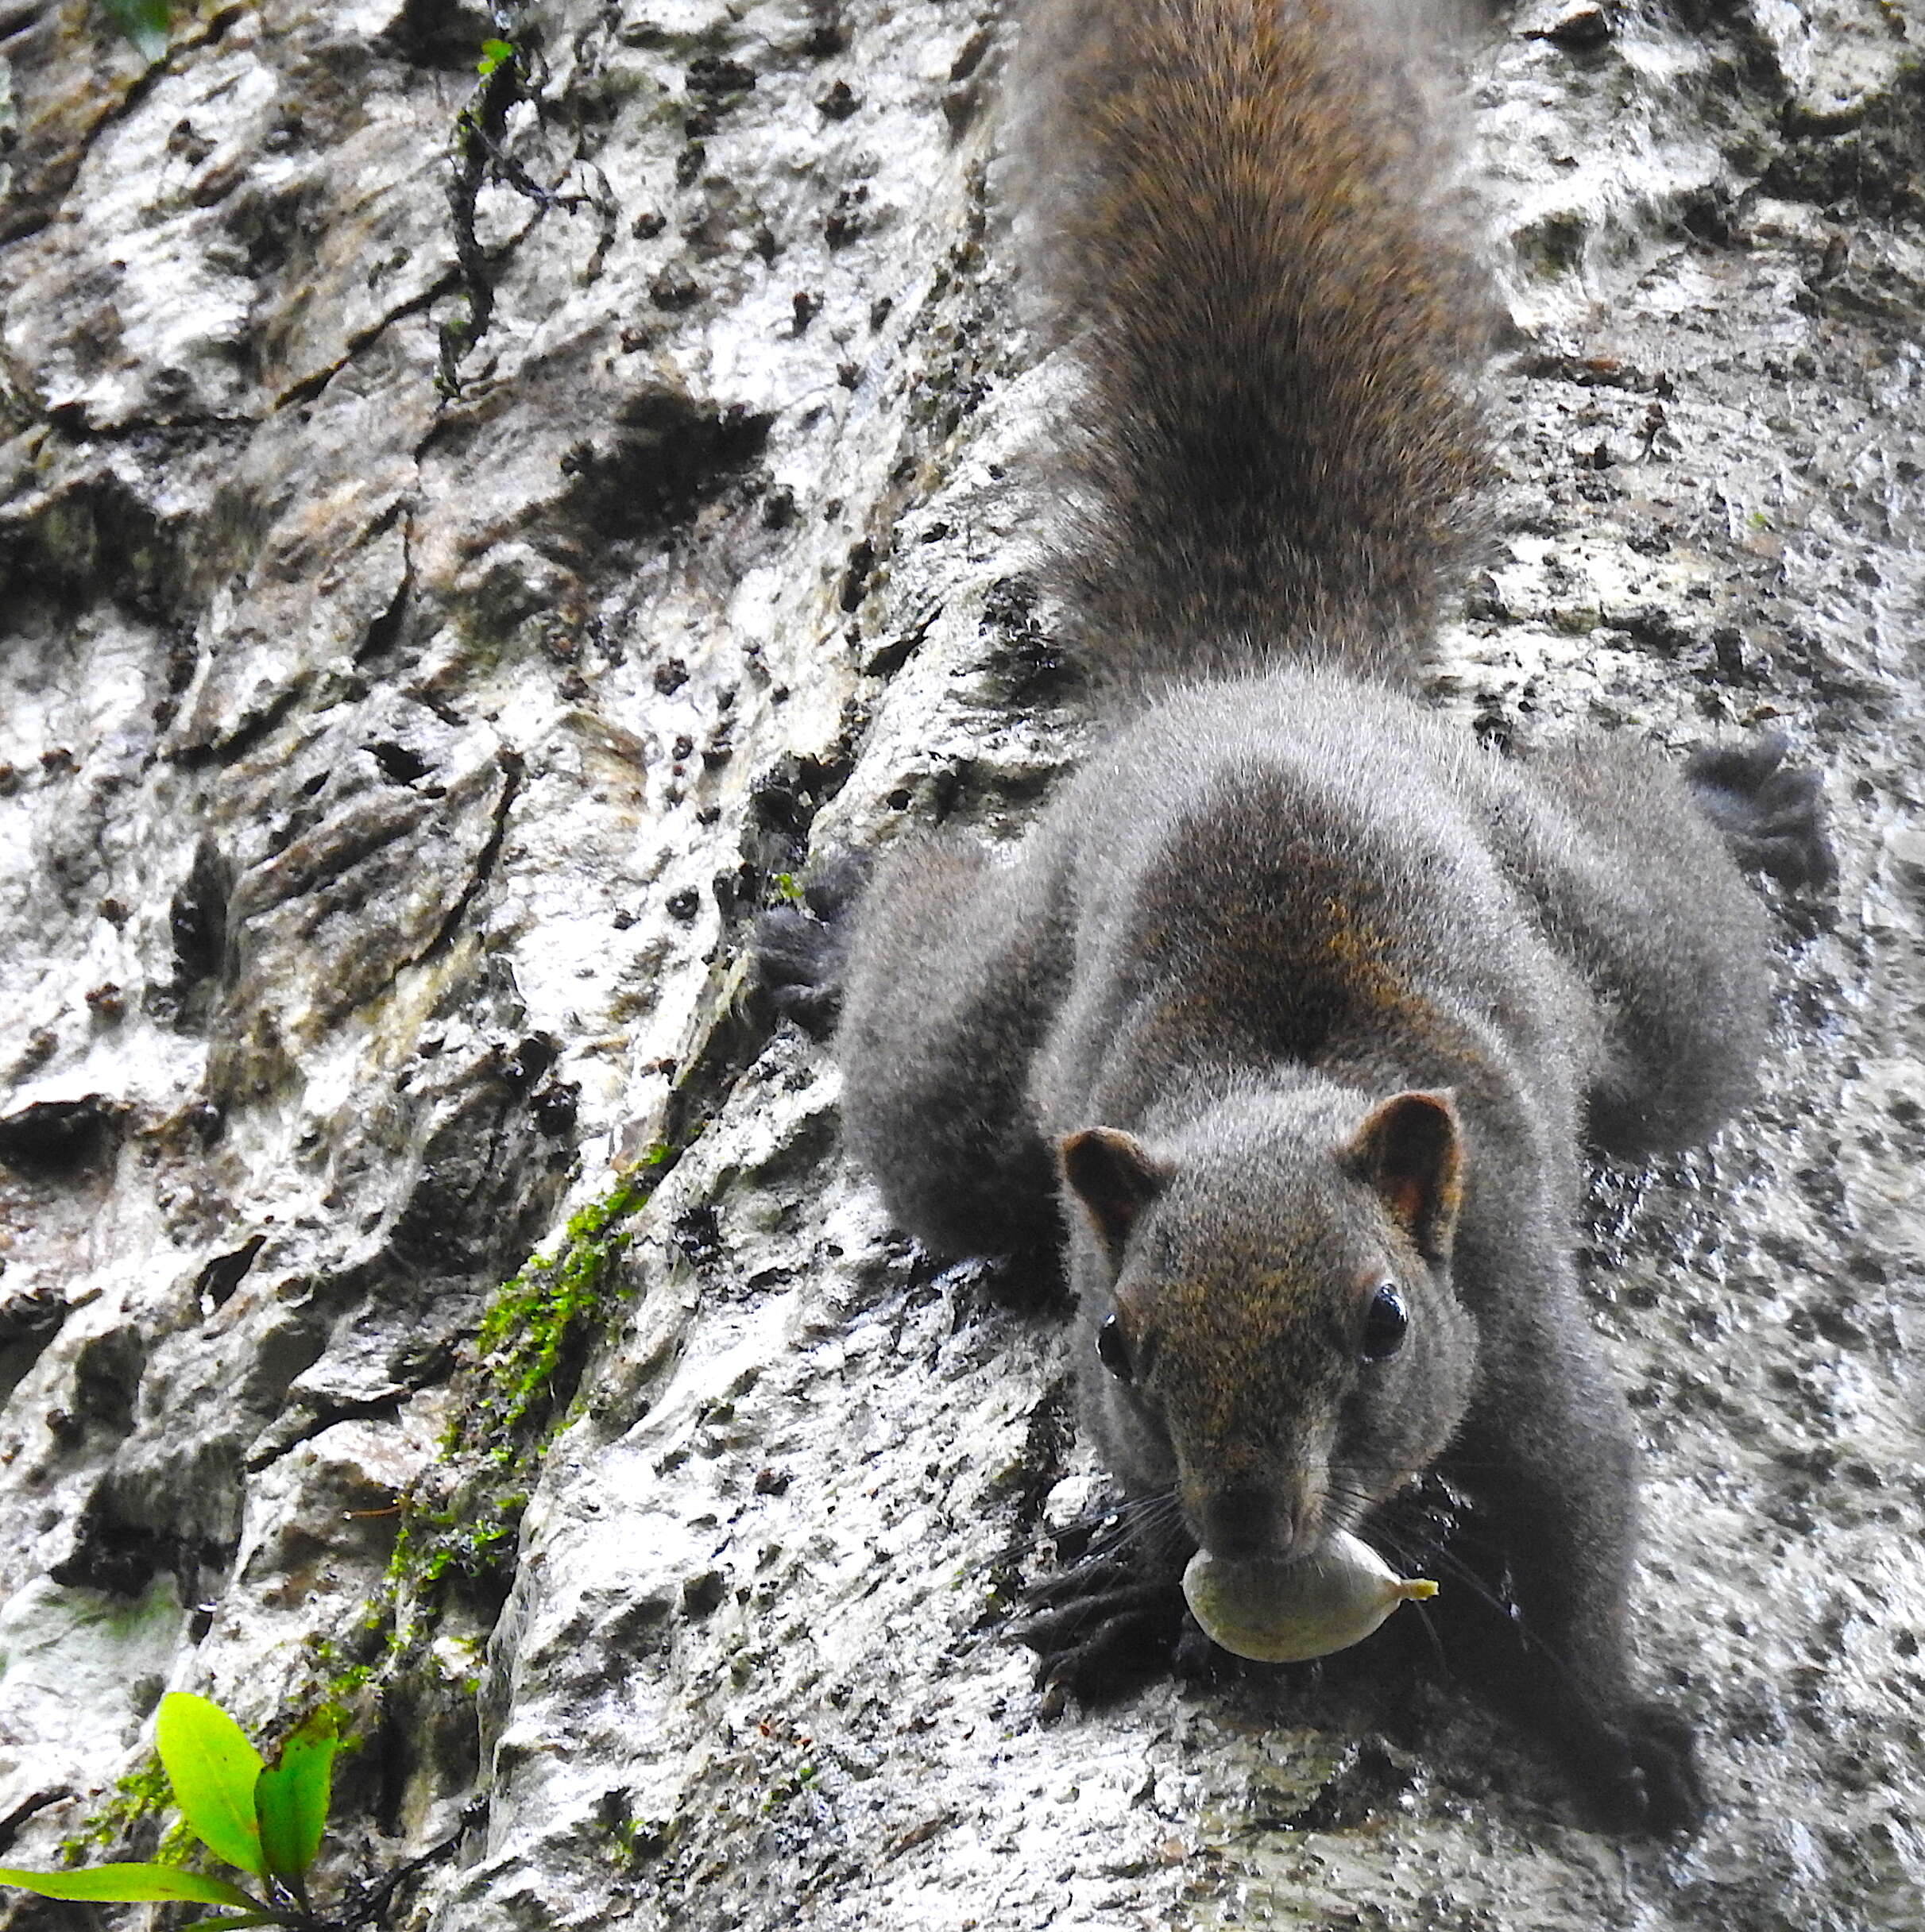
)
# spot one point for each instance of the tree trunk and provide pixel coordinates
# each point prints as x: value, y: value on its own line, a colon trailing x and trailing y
x: 468, y: 539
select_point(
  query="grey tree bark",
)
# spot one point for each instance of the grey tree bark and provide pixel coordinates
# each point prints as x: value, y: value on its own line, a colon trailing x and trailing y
x: 466, y: 541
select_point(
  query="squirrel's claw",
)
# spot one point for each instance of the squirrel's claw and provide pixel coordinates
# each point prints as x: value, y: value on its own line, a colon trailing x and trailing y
x: 1099, y: 1645
x: 1643, y: 1779
x: 1116, y: 1616
x: 1095, y: 1580
x: 1102, y: 1626
x: 797, y: 968
x: 1673, y: 1794
x: 799, y: 950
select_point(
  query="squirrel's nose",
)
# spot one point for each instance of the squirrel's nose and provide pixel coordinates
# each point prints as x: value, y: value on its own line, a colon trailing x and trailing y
x: 1243, y: 1520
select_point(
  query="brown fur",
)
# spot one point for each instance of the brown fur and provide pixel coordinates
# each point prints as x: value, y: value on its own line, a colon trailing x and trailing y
x: 1275, y: 442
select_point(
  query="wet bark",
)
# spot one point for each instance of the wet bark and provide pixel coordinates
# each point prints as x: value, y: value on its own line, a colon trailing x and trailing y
x: 467, y: 541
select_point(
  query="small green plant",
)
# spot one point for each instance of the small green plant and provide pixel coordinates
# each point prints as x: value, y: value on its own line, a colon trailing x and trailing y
x: 493, y: 53
x: 266, y: 1820
x: 145, y: 22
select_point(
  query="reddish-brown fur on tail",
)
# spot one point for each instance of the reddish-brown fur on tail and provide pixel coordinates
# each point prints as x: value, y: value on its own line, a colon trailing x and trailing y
x: 1274, y: 445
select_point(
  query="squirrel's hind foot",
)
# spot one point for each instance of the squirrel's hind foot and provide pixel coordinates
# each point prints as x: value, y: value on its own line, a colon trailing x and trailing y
x: 1646, y: 1782
x: 1771, y: 814
x: 800, y: 950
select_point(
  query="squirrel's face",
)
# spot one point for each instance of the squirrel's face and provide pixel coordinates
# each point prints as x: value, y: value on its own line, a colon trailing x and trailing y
x: 1278, y: 1344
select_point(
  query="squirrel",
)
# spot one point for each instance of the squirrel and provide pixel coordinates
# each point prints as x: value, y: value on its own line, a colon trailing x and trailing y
x: 1296, y: 1010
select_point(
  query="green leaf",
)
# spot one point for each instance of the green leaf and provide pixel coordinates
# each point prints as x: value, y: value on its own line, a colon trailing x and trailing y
x: 127, y: 1884
x: 145, y: 22
x: 290, y: 1800
x: 493, y: 53
x: 213, y: 1769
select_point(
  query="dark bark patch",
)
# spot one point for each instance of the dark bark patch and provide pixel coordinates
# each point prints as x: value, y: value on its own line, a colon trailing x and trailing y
x: 669, y: 455
x: 59, y: 1140
x: 444, y: 35
x: 222, y: 1275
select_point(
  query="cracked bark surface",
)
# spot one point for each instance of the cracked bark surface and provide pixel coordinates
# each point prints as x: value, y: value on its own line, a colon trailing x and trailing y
x: 391, y: 765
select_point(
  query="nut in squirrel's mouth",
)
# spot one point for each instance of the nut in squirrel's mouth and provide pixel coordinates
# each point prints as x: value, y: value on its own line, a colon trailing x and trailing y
x: 1286, y: 1612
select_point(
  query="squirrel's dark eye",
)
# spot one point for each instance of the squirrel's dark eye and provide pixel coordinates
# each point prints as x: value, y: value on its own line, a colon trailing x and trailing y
x: 1113, y: 1351
x: 1384, y: 1326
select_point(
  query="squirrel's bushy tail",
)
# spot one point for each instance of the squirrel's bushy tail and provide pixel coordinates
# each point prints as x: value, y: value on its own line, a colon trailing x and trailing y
x: 1272, y: 450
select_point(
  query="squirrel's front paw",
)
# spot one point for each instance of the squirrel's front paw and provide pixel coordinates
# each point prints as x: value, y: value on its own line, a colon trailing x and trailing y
x: 1771, y: 814
x: 1642, y: 1777
x: 1100, y: 1628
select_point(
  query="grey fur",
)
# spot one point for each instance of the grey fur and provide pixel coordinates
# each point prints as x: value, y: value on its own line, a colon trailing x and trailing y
x: 1342, y: 991
x: 1261, y: 910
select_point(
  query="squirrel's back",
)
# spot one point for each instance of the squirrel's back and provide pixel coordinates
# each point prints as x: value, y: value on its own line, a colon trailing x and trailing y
x: 1273, y: 451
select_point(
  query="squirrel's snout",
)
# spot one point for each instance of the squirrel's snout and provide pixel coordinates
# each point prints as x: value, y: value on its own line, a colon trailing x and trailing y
x: 1243, y: 1521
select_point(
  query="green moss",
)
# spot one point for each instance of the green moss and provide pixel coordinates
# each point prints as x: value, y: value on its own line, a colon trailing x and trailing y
x: 532, y: 1331
x: 634, y: 1842
x: 180, y: 1846
x: 141, y: 1795
x: 513, y: 1392
x: 139, y: 1800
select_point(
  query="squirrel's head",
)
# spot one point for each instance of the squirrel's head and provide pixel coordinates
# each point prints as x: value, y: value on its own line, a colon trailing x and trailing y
x: 1271, y: 1330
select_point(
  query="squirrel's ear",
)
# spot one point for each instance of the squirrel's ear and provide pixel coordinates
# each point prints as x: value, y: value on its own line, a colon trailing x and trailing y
x: 1115, y: 1177
x: 1410, y: 1150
